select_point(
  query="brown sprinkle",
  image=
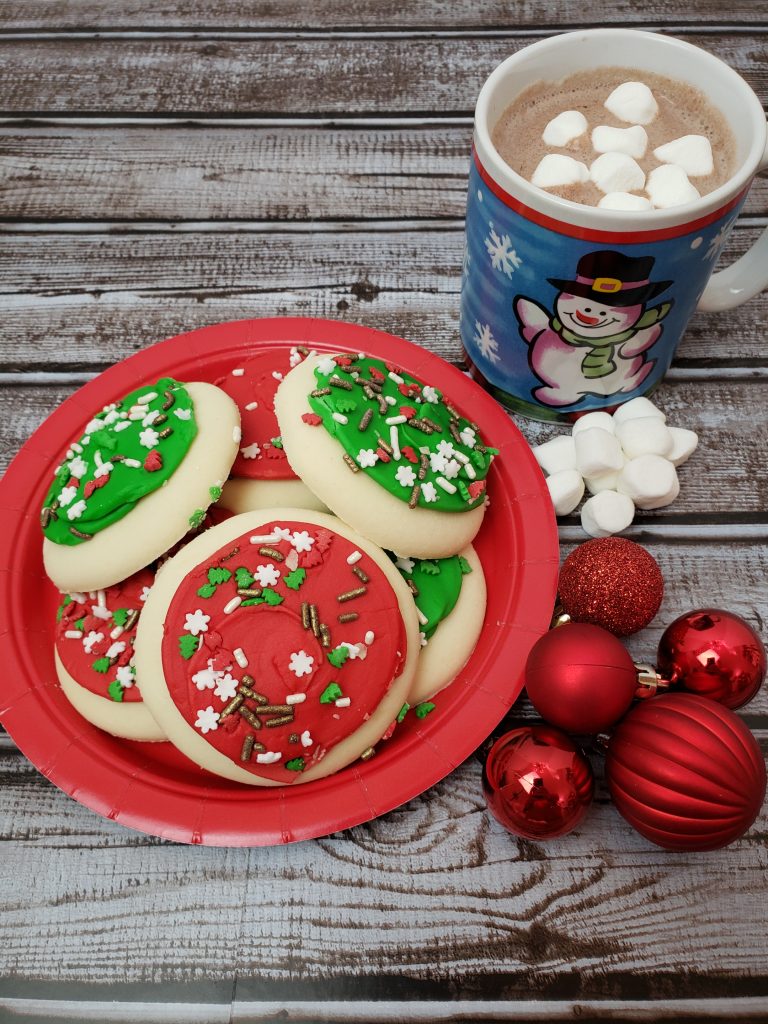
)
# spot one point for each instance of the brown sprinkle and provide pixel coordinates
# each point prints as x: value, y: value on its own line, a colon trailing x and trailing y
x: 368, y: 754
x: 314, y: 619
x: 303, y: 349
x: 259, y: 747
x: 366, y: 419
x: 337, y: 382
x: 413, y: 588
x: 293, y: 738
x: 118, y: 457
x: 276, y: 709
x: 421, y: 425
x: 247, y: 750
x: 159, y: 419
x: 414, y: 498
x: 451, y: 410
x: 383, y: 407
x: 169, y: 400
x: 319, y: 392
x: 325, y: 635
x: 78, y: 533
x: 246, y: 691
x: 350, y: 595
x: 455, y: 432
x: 45, y: 517
x: 249, y: 592
x: 165, y: 433
x: 250, y: 718
x: 272, y: 553
x: 348, y: 617
x: 431, y: 423
x: 351, y: 463
x: 131, y: 619
x: 285, y: 720
x: 305, y: 620
x: 384, y: 445
x: 360, y: 573
x: 234, y: 705
x: 481, y: 448
x: 423, y: 466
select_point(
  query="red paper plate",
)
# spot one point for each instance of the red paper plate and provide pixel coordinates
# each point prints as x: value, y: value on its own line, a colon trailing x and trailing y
x: 153, y: 788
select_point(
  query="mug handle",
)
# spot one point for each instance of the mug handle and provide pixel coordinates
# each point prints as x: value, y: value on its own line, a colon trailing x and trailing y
x: 745, y: 278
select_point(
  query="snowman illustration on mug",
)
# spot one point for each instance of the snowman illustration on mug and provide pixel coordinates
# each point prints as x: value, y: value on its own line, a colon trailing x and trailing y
x: 598, y: 340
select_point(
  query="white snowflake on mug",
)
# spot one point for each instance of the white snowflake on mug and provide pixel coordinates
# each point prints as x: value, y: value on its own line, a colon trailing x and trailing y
x: 486, y: 343
x: 503, y: 256
x: 717, y: 241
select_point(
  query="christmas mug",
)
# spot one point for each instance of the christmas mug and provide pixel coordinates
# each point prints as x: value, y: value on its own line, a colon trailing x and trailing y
x: 530, y: 255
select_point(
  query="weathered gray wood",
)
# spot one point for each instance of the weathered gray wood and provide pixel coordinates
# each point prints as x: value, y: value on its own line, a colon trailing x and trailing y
x: 340, y: 76
x: 236, y: 174
x: 133, y: 15
x: 73, y: 300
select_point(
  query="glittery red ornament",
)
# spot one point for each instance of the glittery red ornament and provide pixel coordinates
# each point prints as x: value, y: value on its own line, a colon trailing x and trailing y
x: 537, y: 782
x: 580, y: 678
x: 611, y: 582
x: 714, y: 654
x: 685, y: 772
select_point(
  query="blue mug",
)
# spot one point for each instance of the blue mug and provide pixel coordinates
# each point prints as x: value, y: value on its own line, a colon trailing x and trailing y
x: 568, y: 308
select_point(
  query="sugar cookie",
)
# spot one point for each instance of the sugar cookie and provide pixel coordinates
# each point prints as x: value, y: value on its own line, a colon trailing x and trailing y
x: 387, y: 453
x: 94, y: 656
x: 277, y: 647
x: 143, y: 472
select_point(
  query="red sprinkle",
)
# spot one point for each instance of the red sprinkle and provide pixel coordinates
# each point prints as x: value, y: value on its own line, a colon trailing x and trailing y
x: 407, y: 411
x: 384, y: 456
x: 376, y: 373
x: 476, y: 488
x: 312, y: 419
x: 409, y: 453
x: 342, y: 360
x: 271, y: 452
x: 95, y: 484
x: 153, y: 461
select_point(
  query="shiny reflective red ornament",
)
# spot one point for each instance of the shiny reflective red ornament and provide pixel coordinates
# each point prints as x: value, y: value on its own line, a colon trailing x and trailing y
x: 580, y: 678
x: 714, y: 654
x: 537, y: 783
x: 611, y: 582
x: 685, y: 772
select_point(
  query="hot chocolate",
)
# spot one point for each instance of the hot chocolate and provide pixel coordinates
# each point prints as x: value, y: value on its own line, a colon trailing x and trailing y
x: 618, y: 138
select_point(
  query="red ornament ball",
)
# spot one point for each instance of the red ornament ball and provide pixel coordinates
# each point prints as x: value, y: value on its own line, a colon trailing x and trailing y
x: 537, y: 782
x: 714, y: 654
x: 580, y: 678
x: 611, y: 582
x: 685, y: 772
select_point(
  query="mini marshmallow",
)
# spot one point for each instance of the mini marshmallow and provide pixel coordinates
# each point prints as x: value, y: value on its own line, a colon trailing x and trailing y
x: 650, y: 481
x: 633, y: 102
x: 566, y: 489
x: 597, y: 452
x: 624, y: 201
x: 668, y: 185
x: 691, y: 152
x: 556, y: 455
x: 684, y: 444
x: 556, y: 169
x: 635, y: 408
x: 606, y: 513
x: 630, y: 141
x: 564, y: 128
x: 616, y: 172
x: 604, y: 482
x: 645, y: 435
x: 603, y: 420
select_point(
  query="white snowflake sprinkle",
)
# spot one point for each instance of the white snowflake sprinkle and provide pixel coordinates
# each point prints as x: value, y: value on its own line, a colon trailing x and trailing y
x: 182, y: 414
x: 295, y: 357
x: 149, y: 437
x: 428, y: 491
x: 503, y: 256
x: 267, y: 575
x: 206, y: 678
x: 207, y: 719
x: 78, y: 468
x: 430, y: 394
x: 226, y: 686
x: 76, y: 510
x: 367, y: 457
x: 302, y: 541
x: 437, y: 462
x: 90, y: 641
x: 67, y: 496
x: 446, y: 448
x: 144, y: 593
x: 405, y: 564
x: 468, y: 437
x: 251, y: 451
x: 115, y: 649
x: 282, y: 533
x: 103, y: 470
x: 301, y: 664
x: 327, y: 365
x: 405, y: 476
x: 126, y: 676
x: 93, y: 425
x: 452, y: 469
x: 487, y: 345
x: 196, y: 622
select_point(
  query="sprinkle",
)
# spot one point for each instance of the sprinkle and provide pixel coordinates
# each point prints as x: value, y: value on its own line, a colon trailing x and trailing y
x: 469, y: 469
x: 325, y: 635
x: 414, y: 498
x: 396, y: 377
x: 268, y: 757
x: 239, y: 372
x: 306, y: 739
x: 390, y: 400
x: 182, y: 414
x: 74, y: 634
x: 350, y: 595
x: 340, y: 417
x: 337, y: 382
x: 101, y: 613
x: 251, y: 406
x: 319, y: 392
x: 132, y: 463
x: 272, y: 553
x: 431, y: 423
x: 277, y: 375
x: 237, y: 435
x: 461, y: 457
x: 383, y: 445
x: 285, y: 720
x: 295, y: 698
x: 169, y: 400
x: 132, y: 618
x: 123, y: 425
x: 269, y: 538
x: 428, y: 491
x: 370, y: 636
x: 249, y: 716
x: 351, y: 463
x: 343, y: 702
x: 240, y: 658
x: 251, y: 451
x: 361, y: 575
x: 365, y: 420
x: 422, y: 617
x: 367, y: 754
x: 305, y: 620
x: 423, y: 465
x: 348, y: 617
x: 314, y: 619
x: 454, y: 431
x: 394, y: 439
x: 396, y: 419
x: 249, y: 591
x: 247, y: 750
x: 231, y: 605
x: 146, y: 399
x: 77, y: 597
x: 422, y: 425
x: 207, y: 719
x: 275, y: 709
x: 293, y: 738
x: 354, y: 557
x: 413, y: 588
x: 79, y: 534
x: 445, y: 484
x: 367, y: 457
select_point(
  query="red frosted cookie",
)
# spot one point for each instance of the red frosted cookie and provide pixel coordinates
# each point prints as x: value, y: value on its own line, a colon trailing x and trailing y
x: 277, y: 647
x: 94, y: 655
x: 261, y: 476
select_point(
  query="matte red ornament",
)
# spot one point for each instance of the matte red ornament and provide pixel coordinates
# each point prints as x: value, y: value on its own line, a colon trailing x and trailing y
x: 685, y: 772
x: 580, y: 678
x: 537, y: 782
x: 714, y: 654
x: 611, y: 582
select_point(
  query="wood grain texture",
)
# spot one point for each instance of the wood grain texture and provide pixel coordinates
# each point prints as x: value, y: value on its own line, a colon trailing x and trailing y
x: 84, y: 15
x: 206, y: 173
x: 84, y: 300
x: 339, y: 76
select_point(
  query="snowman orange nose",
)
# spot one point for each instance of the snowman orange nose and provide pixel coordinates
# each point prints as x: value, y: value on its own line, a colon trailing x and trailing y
x: 589, y: 320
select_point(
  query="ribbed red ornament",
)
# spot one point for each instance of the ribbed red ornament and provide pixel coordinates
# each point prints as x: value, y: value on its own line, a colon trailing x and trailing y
x: 685, y: 772
x: 580, y: 678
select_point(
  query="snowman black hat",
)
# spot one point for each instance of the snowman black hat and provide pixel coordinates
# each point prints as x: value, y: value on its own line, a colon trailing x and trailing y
x: 614, y: 279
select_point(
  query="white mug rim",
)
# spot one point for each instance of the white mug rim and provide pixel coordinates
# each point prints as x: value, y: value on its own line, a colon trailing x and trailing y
x: 580, y: 215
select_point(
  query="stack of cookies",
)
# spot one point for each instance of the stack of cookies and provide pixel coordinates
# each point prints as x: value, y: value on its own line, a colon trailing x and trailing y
x: 268, y: 572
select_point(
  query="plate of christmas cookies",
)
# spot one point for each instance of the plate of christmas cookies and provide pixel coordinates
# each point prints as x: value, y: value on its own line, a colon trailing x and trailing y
x: 268, y: 580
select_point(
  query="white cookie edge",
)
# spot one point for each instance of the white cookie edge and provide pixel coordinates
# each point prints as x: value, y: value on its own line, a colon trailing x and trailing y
x: 241, y: 494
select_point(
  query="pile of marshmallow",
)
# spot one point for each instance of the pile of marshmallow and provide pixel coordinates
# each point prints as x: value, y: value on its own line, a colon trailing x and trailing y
x: 616, y: 171
x: 625, y: 461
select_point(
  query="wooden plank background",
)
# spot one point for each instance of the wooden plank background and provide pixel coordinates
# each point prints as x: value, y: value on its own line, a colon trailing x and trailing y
x: 164, y: 166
